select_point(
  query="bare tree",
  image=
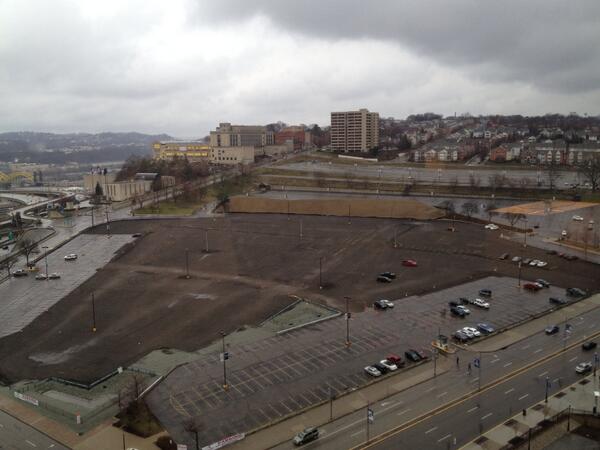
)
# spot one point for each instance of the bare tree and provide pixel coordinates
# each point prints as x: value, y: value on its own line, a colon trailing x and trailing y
x: 552, y: 170
x: 490, y: 210
x: 448, y: 206
x: 27, y: 245
x: 8, y: 264
x: 349, y: 176
x: 513, y: 218
x: 194, y: 425
x: 453, y: 183
x: 469, y: 208
x: 524, y: 182
x: 590, y: 170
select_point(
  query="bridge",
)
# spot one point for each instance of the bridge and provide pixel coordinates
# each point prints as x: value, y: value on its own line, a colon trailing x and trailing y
x: 13, y: 176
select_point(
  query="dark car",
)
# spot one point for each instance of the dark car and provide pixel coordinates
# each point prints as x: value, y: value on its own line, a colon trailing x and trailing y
x: 305, y: 436
x: 465, y: 301
x: 575, y: 292
x: 589, y: 345
x: 383, y: 279
x: 390, y: 275
x: 542, y: 283
x: 453, y: 303
x: 382, y: 304
x: 557, y: 301
x: 383, y: 369
x: 504, y: 256
x: 552, y: 252
x: 485, y: 328
x: 412, y: 355
x: 552, y: 329
x: 461, y: 337
x: 457, y: 311
x: 485, y: 292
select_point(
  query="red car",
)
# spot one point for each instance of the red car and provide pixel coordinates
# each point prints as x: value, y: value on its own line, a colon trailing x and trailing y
x: 409, y: 263
x: 532, y: 287
x: 393, y: 358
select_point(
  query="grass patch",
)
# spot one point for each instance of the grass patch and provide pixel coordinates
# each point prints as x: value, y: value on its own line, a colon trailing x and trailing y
x: 171, y: 208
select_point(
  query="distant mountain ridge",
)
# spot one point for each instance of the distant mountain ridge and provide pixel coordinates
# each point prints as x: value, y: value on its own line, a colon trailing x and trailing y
x: 53, y: 148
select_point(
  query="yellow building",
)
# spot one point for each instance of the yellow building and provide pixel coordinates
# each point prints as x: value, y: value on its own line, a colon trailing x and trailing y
x: 194, y: 151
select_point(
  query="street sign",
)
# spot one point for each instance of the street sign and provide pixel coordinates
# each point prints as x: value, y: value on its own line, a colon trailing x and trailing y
x: 224, y: 356
x: 370, y: 415
x: 477, y: 362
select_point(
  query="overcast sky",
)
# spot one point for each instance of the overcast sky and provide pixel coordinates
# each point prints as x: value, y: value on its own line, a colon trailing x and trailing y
x: 182, y: 66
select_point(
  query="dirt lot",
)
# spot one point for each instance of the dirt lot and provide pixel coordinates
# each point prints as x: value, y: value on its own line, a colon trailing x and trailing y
x: 254, y: 263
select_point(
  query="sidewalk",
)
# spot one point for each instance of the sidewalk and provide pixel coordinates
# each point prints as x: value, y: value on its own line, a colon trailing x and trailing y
x: 271, y: 436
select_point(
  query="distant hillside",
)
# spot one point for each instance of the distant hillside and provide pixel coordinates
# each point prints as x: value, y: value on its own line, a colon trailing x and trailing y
x: 45, y: 148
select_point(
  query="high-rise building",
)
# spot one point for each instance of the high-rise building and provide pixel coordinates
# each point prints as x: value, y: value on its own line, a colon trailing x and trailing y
x: 227, y: 135
x: 354, y: 131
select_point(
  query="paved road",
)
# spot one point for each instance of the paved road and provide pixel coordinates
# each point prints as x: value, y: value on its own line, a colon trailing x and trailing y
x: 460, y: 175
x: 469, y: 418
x: 17, y: 435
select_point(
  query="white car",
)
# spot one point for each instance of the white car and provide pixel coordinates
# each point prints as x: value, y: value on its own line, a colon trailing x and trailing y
x: 468, y: 333
x: 388, y: 365
x: 491, y: 226
x: 54, y: 276
x: 578, y: 218
x: 564, y: 233
x: 372, y: 371
x: 387, y: 303
x: 71, y: 257
x: 542, y: 264
x: 481, y: 303
x: 464, y: 309
x: 516, y: 259
x: 474, y: 331
x: 534, y: 262
x: 41, y: 276
x: 583, y: 367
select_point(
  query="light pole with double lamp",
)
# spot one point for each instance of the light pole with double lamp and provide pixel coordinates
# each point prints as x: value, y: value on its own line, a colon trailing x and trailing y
x: 224, y: 357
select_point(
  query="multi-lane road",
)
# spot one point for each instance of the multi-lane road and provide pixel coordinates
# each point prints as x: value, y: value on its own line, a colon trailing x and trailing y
x: 17, y: 435
x: 452, y: 409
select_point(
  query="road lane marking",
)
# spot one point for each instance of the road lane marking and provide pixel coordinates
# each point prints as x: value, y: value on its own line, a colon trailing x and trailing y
x: 538, y: 350
x: 445, y: 437
x: 523, y: 396
x: 431, y: 429
x: 403, y: 412
x: 526, y: 347
x: 494, y: 361
x: 442, y: 394
x: 543, y: 373
x: 555, y: 381
x: 474, y: 380
x: 573, y: 358
x: 430, y: 389
x: 30, y: 443
x: 507, y: 364
x: 357, y: 433
x: 509, y: 391
x: 473, y: 409
x: 486, y: 416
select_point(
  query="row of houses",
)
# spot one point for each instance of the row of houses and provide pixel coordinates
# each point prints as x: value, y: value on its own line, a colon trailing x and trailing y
x: 547, y: 152
x: 444, y: 150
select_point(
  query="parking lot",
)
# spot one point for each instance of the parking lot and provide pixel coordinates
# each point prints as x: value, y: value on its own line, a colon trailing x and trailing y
x: 23, y: 299
x: 279, y: 375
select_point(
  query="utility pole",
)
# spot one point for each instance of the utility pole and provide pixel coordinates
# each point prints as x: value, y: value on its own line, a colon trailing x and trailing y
x: 224, y: 356
x: 520, y: 273
x: 547, y: 387
x: 107, y: 222
x: 347, y: 322
x: 45, y: 248
x: 206, y: 250
x: 320, y: 272
x: 92, y: 216
x: 93, y: 314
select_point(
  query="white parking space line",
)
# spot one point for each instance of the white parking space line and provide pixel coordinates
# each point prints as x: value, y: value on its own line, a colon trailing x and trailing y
x: 593, y: 325
x: 444, y: 438
x: 403, y: 412
x: 474, y: 380
x: 431, y: 429
x: 523, y: 396
x: 509, y: 391
x: 472, y: 409
x: 494, y: 361
x: 526, y: 347
x: 30, y: 443
x: 538, y: 350
x: 573, y: 358
x: 507, y: 364
x: 430, y: 389
x: 543, y: 373
x: 486, y: 416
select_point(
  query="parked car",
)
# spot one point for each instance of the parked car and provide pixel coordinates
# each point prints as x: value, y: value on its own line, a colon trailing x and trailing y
x: 516, y: 259
x: 391, y: 275
x: 504, y: 256
x: 383, y: 304
x: 491, y: 226
x: 551, y: 252
x: 584, y: 367
x: 383, y: 279
x: 542, y: 263
x: 526, y: 261
x: 464, y: 309
x: 465, y: 301
x: 474, y: 331
x: 534, y: 262
x: 578, y: 218
x: 54, y: 276
x: 534, y: 287
x: 563, y: 233
x: 71, y: 257
x: 387, y: 303
x: 457, y: 311
x: 485, y: 292
x: 571, y: 257
x: 589, y: 345
x: 389, y: 365
x: 395, y: 359
x: 485, y: 328
x: 305, y: 436
x: 412, y: 355
x: 41, y: 276
x: 480, y: 303
x: 552, y: 329
x: 542, y: 283
x: 557, y: 301
x: 372, y: 371
x: 409, y: 263
x: 453, y: 303
x: 19, y: 273
x: 383, y: 369
x: 575, y: 292
x: 460, y: 336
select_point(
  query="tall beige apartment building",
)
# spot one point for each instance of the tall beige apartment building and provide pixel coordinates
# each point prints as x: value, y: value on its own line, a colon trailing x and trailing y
x: 354, y: 131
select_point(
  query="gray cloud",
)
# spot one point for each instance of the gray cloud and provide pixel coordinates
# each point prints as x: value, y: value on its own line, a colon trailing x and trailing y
x: 552, y: 44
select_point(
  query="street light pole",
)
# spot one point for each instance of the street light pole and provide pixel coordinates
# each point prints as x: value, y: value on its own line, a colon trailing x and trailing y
x: 320, y: 272
x: 206, y: 241
x: 45, y: 248
x: 225, y: 356
x: 107, y: 222
x: 187, y: 264
x: 347, y: 322
x: 93, y: 314
x: 547, y: 386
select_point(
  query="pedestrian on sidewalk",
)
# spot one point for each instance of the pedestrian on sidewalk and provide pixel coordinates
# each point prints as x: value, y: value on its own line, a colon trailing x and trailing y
x: 469, y: 368
x: 457, y: 362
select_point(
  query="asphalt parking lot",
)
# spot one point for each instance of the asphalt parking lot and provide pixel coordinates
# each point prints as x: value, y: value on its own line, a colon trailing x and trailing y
x: 279, y: 375
x: 23, y: 299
